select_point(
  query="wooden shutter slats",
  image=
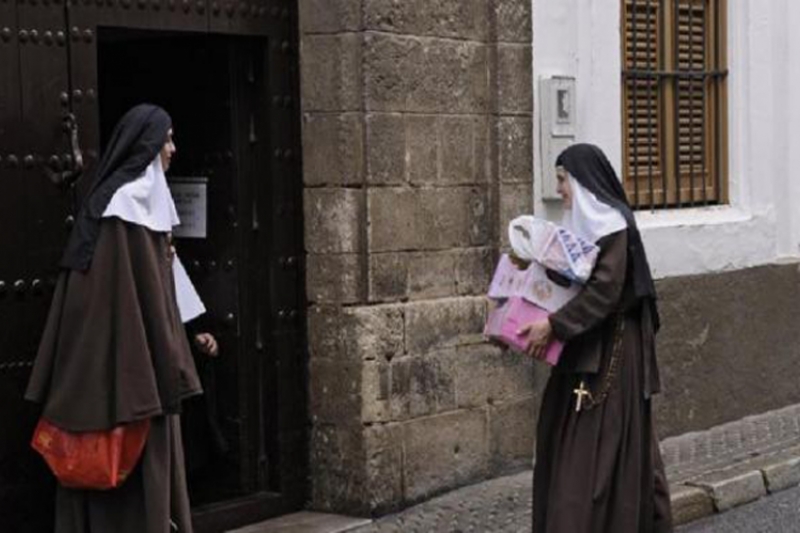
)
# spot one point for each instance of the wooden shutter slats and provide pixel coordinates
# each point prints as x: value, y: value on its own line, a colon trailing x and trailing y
x: 642, y: 136
x: 671, y: 120
x: 690, y: 101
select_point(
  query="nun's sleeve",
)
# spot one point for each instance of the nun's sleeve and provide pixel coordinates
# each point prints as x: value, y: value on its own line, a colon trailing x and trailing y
x: 189, y: 304
x: 601, y: 295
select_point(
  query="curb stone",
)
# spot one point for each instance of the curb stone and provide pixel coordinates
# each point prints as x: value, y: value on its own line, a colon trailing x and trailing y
x: 737, y: 484
x: 717, y: 493
x: 690, y: 504
x: 782, y: 475
x: 730, y: 492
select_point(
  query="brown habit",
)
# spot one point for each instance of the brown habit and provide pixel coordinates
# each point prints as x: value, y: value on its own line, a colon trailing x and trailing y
x: 600, y: 470
x: 114, y: 350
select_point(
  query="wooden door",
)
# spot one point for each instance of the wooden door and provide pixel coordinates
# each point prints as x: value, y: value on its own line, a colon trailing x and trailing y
x: 229, y: 79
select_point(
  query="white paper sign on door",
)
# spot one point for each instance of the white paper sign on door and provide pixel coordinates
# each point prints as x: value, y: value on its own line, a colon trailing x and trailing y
x: 191, y: 200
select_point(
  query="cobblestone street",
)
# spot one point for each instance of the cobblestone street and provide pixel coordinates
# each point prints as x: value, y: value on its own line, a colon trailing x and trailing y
x: 756, y: 459
x: 709, y: 464
x: 502, y: 505
x: 710, y: 471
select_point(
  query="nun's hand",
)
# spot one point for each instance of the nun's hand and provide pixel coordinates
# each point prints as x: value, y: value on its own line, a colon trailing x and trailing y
x: 207, y: 344
x: 539, y: 335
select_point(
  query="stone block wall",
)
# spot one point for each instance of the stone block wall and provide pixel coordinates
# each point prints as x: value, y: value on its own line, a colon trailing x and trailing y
x: 417, y: 151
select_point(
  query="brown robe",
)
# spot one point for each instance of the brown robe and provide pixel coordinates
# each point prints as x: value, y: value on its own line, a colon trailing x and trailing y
x: 600, y: 470
x: 114, y: 350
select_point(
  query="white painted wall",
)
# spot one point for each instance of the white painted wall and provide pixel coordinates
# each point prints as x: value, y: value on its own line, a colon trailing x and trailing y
x: 762, y: 223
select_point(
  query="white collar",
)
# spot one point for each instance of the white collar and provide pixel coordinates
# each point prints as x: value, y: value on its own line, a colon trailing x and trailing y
x: 590, y: 218
x: 146, y: 201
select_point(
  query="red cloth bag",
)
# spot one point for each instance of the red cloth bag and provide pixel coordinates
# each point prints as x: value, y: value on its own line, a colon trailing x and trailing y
x: 99, y: 460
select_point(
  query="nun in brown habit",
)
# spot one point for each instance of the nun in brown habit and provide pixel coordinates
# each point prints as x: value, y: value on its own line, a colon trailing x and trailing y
x: 598, y: 465
x: 114, y: 348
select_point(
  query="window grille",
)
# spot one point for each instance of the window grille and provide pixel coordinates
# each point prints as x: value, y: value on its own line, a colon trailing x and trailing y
x: 674, y: 102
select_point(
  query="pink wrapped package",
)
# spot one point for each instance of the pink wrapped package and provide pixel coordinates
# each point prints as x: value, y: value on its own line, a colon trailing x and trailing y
x: 505, y: 320
x: 533, y: 284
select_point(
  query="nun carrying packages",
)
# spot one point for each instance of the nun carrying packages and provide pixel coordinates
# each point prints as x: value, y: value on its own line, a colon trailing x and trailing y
x: 558, y: 262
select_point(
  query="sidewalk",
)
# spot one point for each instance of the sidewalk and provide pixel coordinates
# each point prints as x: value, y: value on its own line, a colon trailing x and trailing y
x: 709, y: 471
x: 733, y: 464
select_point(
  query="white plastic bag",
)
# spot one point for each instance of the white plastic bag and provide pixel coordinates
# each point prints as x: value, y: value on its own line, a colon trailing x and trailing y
x: 554, y: 247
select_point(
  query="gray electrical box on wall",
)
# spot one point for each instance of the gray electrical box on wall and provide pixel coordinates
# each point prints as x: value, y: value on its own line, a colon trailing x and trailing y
x: 558, y: 126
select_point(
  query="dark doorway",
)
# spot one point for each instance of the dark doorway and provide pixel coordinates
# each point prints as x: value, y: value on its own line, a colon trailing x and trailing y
x: 214, y: 87
x: 173, y: 71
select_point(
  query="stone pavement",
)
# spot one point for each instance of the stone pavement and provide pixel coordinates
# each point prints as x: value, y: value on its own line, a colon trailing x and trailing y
x: 709, y: 471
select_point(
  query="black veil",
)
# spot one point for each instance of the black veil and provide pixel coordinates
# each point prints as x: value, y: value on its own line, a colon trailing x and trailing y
x: 135, y: 142
x: 590, y: 166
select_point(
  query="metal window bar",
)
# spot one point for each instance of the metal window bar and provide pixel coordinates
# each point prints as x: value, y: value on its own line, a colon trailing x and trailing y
x: 717, y: 110
x: 676, y: 21
x: 709, y: 79
x: 691, y: 107
x: 650, y: 118
x: 634, y: 48
x: 661, y: 85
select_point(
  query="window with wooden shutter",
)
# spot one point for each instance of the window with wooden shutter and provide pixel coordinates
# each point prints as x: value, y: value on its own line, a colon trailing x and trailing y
x: 674, y: 102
